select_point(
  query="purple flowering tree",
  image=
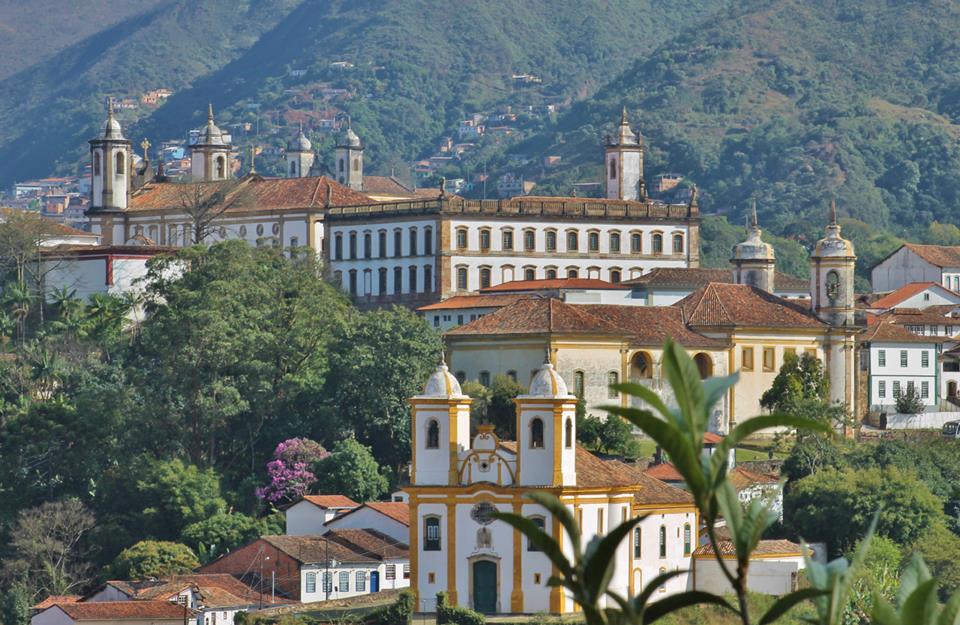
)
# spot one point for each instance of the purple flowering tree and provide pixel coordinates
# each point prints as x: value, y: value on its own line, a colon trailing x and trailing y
x: 290, y: 471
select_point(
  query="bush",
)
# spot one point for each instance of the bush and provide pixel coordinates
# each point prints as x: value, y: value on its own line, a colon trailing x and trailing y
x: 455, y: 614
x: 400, y: 612
x: 909, y: 401
x: 154, y: 558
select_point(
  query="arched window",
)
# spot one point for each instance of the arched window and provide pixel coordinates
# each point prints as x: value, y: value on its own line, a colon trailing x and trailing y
x: 613, y: 378
x: 529, y: 240
x: 678, y: 244
x: 551, y: 274
x: 433, y: 434
x: 484, y: 378
x: 613, y: 168
x: 382, y: 279
x: 485, y: 239
x: 642, y: 366
x: 382, y: 244
x: 506, y: 239
x: 550, y: 239
x: 614, y: 242
x: 414, y: 286
x: 397, y: 242
x: 704, y: 365
x: 484, y: 277
x: 367, y: 245
x: 221, y: 168
x: 462, y: 278
x: 120, y: 164
x: 578, y: 384
x: 96, y: 163
x: 356, y: 164
x: 536, y: 433
x: 658, y: 243
x: 293, y: 168
x: 428, y: 278
x: 397, y: 280
x: 637, y: 543
x: 833, y: 285
x: 573, y: 272
x: 340, y: 166
x: 512, y: 375
x: 573, y: 241
x: 461, y: 238
x: 636, y: 243
x: 338, y: 247
x: 353, y: 245
x: 431, y: 533
x: 541, y: 523
x: 529, y: 274
x: 686, y: 539
x: 413, y: 241
x: 663, y: 541
x: 353, y: 282
x: 428, y: 241
x: 568, y: 434
x: 593, y: 241
x: 615, y: 276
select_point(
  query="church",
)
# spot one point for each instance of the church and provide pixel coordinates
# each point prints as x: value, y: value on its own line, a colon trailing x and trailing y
x: 457, y: 481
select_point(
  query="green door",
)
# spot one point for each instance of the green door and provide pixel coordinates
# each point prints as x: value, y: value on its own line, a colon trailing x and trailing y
x: 485, y: 586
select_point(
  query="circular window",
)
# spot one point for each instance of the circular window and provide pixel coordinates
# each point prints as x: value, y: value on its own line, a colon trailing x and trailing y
x: 482, y: 512
x: 243, y: 231
x: 259, y: 229
x: 276, y: 228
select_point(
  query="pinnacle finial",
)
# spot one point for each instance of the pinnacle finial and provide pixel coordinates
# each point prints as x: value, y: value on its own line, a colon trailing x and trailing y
x: 753, y: 215
x: 443, y: 359
x: 210, y: 112
x: 110, y: 106
x: 253, y: 160
x: 546, y: 355
x: 833, y: 211
x: 623, y: 116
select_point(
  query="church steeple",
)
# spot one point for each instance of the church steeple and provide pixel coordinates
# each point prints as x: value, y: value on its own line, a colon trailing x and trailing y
x: 299, y: 156
x: 831, y: 274
x: 754, y: 260
x: 210, y: 155
x: 348, y: 159
x: 111, y: 155
x: 624, y: 162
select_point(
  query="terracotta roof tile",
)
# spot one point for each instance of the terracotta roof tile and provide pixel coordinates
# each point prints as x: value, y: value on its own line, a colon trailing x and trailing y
x: 651, y: 325
x: 905, y: 292
x: 248, y: 193
x: 556, y: 283
x: 331, y: 501
x: 474, y: 301
x: 937, y: 255
x: 385, y: 185
x: 124, y: 610
x: 56, y: 599
x: 664, y: 471
x: 216, y: 589
x: 915, y: 316
x: 345, y: 545
x: 741, y: 478
x: 695, y: 277
x: 764, y: 548
x: 886, y: 331
x: 396, y: 510
x: 370, y: 543
x: 725, y: 305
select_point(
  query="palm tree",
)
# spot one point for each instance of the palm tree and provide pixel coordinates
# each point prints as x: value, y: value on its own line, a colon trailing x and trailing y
x: 19, y: 298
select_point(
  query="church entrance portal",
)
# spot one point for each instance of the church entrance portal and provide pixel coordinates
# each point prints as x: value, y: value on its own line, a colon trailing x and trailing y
x: 485, y: 586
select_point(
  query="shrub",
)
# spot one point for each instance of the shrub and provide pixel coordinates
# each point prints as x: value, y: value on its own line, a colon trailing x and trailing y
x: 455, y: 614
x: 399, y: 612
x: 154, y: 558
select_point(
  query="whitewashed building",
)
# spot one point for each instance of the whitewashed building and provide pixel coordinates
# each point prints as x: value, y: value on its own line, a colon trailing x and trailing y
x: 775, y: 567
x: 912, y: 263
x: 312, y: 513
x: 896, y: 360
x: 391, y: 518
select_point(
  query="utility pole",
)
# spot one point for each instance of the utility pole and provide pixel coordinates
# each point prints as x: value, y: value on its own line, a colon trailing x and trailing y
x: 326, y: 572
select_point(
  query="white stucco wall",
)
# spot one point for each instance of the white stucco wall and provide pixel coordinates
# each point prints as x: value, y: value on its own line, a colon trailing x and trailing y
x: 649, y: 564
x: 367, y: 518
x: 769, y: 576
x: 903, y: 267
x: 338, y: 591
x: 883, y: 377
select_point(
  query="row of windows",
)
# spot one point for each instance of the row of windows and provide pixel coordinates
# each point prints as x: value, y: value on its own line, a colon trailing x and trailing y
x: 768, y: 360
x: 343, y: 579
x: 382, y: 287
x: 183, y: 233
x: 662, y: 535
x: 897, y: 388
x: 485, y: 274
x: 572, y: 239
x: 536, y: 434
x: 354, y: 251
x: 120, y: 164
x: 904, y: 358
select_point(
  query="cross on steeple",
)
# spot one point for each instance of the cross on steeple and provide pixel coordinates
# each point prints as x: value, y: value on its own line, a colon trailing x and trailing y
x: 145, y: 145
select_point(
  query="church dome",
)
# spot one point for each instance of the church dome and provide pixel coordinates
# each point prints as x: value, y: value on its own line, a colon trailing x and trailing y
x: 350, y: 139
x: 833, y: 245
x: 548, y: 383
x: 442, y: 384
x: 754, y: 248
x: 300, y: 144
x: 111, y: 127
x: 625, y: 135
x: 211, y: 134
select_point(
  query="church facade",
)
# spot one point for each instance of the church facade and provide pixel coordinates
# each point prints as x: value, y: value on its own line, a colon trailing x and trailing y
x: 457, y: 481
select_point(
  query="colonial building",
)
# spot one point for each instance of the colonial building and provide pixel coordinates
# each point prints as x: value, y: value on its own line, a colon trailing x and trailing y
x: 918, y: 263
x: 458, y: 480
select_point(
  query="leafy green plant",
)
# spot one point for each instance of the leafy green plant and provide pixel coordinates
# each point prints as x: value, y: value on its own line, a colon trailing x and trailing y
x: 916, y: 600
x: 456, y: 615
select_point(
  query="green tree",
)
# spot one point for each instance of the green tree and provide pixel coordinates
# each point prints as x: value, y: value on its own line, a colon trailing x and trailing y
x: 502, y: 412
x: 909, y: 401
x: 378, y: 360
x: 214, y: 536
x: 813, y: 505
x: 878, y: 573
x: 16, y: 605
x: 940, y: 549
x: 175, y: 495
x: 154, y: 558
x: 351, y: 470
x: 481, y: 396
x: 799, y: 379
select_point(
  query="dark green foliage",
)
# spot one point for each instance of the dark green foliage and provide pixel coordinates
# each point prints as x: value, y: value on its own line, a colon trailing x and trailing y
x: 612, y: 435
x: 908, y: 401
x: 15, y: 608
x: 456, y: 615
x: 799, y: 379
x: 353, y: 471
x: 495, y: 405
x: 399, y: 612
x: 154, y: 558
x: 218, y: 534
x: 813, y: 505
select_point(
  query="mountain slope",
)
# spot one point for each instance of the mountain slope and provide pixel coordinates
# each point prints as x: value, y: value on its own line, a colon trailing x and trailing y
x: 792, y: 102
x: 419, y: 64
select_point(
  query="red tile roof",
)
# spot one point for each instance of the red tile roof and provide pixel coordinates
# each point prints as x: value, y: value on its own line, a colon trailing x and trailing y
x: 396, y: 510
x: 712, y: 439
x: 764, y: 548
x: 937, y: 255
x: 474, y: 301
x: 56, y: 599
x: 216, y: 589
x: 345, y: 545
x: 124, y: 610
x: 645, y: 325
x: 741, y: 478
x: 556, y: 283
x: 369, y: 542
x: 250, y: 193
x: 884, y: 330
x: 907, y: 291
x: 727, y: 305
x: 695, y: 277
x: 664, y: 471
x: 385, y: 185
x: 331, y: 501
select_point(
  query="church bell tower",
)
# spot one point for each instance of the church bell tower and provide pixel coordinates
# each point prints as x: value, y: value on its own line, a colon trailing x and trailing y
x: 348, y: 160
x: 831, y: 275
x: 299, y: 156
x: 111, y: 164
x: 754, y: 260
x: 623, y: 158
x: 210, y: 155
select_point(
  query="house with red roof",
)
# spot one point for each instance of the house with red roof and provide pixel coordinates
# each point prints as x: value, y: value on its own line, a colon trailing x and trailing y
x: 912, y: 263
x: 387, y: 517
x: 919, y: 295
x: 311, y: 514
x: 114, y: 613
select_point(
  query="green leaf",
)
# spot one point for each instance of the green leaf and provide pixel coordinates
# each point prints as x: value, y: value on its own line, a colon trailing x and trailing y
x: 556, y: 508
x: 639, y: 390
x: 915, y: 573
x: 598, y: 568
x: 538, y: 537
x: 787, y: 602
x: 684, y: 378
x: 920, y: 608
x: 951, y: 611
x: 753, y: 425
x: 883, y: 613
x: 639, y: 602
x: 658, y: 610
